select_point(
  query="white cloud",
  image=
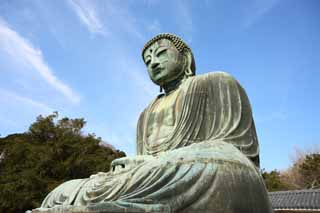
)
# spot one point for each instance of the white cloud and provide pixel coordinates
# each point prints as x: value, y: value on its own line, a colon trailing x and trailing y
x: 122, y: 141
x: 8, y: 98
x: 154, y: 27
x: 142, y: 81
x: 184, y: 17
x: 258, y: 10
x: 22, y: 51
x: 104, y: 17
x: 88, y: 16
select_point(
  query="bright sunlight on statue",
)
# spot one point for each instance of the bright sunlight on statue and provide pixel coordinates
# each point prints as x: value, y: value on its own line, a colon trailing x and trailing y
x: 197, y: 149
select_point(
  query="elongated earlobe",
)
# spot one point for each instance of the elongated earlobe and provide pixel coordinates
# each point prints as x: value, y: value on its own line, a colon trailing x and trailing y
x: 188, y: 71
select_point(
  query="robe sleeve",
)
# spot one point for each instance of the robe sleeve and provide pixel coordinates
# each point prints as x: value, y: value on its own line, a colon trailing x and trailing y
x: 214, y: 107
x: 227, y: 114
x: 140, y: 132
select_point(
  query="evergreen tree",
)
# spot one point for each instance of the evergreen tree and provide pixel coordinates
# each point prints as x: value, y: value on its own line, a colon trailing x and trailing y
x: 273, y: 181
x: 51, y: 152
x: 310, y: 171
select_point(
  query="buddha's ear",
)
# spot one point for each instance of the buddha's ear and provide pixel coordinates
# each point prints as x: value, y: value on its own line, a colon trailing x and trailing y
x: 188, y: 70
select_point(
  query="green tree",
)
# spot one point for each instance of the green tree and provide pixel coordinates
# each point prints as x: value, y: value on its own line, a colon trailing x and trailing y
x: 51, y: 152
x: 273, y: 181
x: 310, y: 170
x: 304, y: 172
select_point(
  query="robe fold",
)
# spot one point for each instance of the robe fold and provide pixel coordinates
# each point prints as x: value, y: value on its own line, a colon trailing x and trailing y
x: 213, y: 107
x: 208, y: 163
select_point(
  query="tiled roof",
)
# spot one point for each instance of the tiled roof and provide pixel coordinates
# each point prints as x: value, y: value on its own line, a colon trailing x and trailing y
x: 297, y: 199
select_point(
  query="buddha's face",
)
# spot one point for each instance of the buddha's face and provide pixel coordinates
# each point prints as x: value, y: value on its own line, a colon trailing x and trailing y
x: 164, y: 62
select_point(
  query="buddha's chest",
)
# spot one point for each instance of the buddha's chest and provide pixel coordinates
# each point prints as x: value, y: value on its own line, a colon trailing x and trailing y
x: 162, y: 118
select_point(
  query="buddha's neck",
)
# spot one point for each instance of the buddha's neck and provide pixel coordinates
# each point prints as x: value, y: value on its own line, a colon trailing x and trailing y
x: 173, y: 85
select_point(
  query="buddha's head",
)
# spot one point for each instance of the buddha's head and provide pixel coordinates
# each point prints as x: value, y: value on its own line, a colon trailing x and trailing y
x: 168, y: 59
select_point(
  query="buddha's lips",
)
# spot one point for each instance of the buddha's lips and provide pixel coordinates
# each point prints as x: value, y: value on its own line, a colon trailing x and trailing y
x: 157, y: 71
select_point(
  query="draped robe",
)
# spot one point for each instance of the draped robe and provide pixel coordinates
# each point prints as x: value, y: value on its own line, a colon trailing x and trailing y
x: 208, y: 162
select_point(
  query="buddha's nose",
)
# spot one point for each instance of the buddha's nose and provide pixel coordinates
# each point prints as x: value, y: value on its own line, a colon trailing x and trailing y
x: 155, y: 64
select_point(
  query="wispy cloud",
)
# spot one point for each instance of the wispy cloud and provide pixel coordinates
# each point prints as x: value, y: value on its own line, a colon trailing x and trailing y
x: 22, y: 51
x: 88, y: 16
x: 140, y: 80
x: 8, y: 97
x: 104, y: 17
x: 122, y: 141
x: 258, y: 10
x: 154, y: 27
x: 184, y: 19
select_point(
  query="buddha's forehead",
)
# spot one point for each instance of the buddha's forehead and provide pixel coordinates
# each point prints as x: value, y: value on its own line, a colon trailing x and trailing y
x: 155, y: 45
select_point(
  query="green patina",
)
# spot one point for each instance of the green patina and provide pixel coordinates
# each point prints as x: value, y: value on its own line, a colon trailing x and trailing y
x: 197, y: 149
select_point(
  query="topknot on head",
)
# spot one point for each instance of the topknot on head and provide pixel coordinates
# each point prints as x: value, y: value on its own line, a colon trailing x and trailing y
x: 177, y: 42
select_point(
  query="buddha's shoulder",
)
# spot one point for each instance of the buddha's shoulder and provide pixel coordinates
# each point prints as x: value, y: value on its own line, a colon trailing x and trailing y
x: 214, y: 77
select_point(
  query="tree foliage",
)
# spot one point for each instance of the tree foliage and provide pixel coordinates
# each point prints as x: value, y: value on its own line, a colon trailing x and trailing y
x: 274, y: 182
x: 304, y: 173
x: 51, y: 152
x: 310, y: 171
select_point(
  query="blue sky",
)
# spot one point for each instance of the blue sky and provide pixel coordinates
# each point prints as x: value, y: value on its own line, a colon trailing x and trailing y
x: 83, y: 59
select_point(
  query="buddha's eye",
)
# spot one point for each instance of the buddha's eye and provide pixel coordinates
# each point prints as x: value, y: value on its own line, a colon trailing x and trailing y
x: 147, y: 62
x: 161, y: 51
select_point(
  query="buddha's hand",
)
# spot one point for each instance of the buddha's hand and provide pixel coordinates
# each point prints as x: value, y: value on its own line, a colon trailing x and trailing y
x: 126, y: 163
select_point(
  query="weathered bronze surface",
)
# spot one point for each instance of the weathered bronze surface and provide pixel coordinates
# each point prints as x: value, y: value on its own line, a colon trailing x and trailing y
x: 197, y: 149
